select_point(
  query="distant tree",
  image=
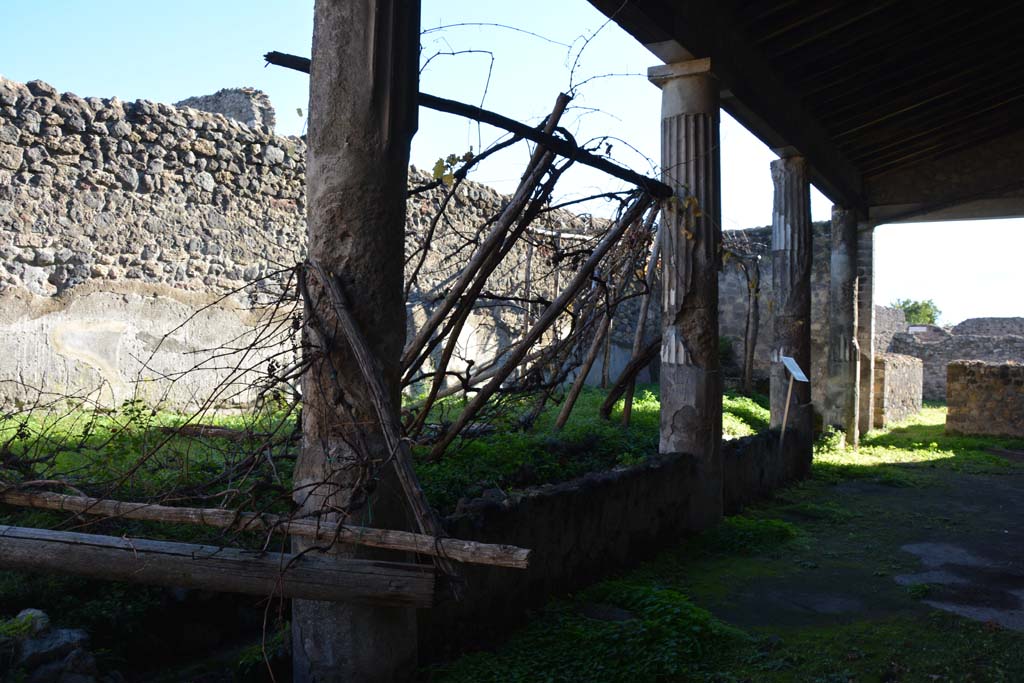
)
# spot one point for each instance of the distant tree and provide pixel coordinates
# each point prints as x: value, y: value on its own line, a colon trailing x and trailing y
x: 918, y: 312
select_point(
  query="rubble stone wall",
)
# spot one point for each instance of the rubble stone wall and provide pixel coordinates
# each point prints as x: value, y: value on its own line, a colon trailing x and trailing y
x: 937, y: 348
x: 888, y: 322
x: 898, y: 385
x: 985, y: 398
x: 992, y: 327
x: 125, y: 222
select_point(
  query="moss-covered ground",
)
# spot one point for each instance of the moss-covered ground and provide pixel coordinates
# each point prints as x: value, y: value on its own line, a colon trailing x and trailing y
x: 816, y: 585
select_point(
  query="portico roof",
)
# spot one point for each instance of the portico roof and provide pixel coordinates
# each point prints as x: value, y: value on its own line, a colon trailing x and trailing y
x: 906, y: 110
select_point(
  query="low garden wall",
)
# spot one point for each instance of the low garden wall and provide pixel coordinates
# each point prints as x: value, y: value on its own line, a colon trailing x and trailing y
x: 583, y: 529
x: 898, y: 388
x: 985, y: 398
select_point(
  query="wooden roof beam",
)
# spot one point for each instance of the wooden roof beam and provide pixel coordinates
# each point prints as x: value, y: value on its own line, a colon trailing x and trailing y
x: 752, y: 92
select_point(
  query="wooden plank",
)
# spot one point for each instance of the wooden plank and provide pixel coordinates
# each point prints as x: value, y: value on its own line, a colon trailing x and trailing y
x: 231, y: 570
x: 321, y: 531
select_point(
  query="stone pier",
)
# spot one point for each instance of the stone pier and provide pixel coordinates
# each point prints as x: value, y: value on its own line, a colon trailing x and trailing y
x: 843, y: 350
x: 691, y: 382
x: 866, y: 323
x: 791, y: 280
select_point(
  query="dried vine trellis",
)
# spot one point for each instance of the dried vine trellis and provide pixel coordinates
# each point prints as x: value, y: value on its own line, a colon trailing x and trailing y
x: 554, y: 322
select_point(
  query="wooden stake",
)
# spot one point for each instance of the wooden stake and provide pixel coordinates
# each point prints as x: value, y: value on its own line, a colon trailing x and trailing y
x: 392, y: 431
x: 785, y: 414
x: 635, y: 210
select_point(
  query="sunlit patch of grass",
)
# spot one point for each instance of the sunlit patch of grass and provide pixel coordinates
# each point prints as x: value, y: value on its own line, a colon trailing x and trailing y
x: 903, y: 453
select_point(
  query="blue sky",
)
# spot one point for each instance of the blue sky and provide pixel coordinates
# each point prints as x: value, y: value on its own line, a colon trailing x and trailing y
x: 166, y: 52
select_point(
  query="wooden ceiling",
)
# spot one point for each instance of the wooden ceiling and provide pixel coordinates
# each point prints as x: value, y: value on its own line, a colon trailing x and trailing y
x: 862, y: 89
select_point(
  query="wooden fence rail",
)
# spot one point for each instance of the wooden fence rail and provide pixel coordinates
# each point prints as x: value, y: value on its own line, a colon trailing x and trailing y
x: 164, y: 563
x: 323, y: 532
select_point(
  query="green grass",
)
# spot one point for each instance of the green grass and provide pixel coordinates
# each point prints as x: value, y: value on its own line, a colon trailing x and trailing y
x: 513, y: 459
x: 908, y: 453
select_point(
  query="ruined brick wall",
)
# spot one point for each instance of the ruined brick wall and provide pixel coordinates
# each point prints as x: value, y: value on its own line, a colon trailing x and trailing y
x: 898, y: 386
x: 985, y: 398
x: 937, y: 348
x: 248, y: 105
x: 888, y: 322
x: 991, y: 327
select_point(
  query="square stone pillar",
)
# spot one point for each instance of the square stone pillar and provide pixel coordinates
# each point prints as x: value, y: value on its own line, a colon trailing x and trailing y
x: 691, y: 381
x: 866, y: 323
x: 843, y: 404
x: 792, y: 254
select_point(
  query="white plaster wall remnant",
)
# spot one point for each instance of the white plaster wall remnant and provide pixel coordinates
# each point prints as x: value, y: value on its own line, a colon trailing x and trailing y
x: 108, y: 347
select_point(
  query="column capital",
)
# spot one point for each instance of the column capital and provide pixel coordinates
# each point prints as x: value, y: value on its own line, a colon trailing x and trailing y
x: 662, y: 73
x: 686, y: 87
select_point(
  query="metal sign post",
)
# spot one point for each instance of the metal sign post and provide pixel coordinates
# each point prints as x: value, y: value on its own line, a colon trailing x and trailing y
x: 795, y: 373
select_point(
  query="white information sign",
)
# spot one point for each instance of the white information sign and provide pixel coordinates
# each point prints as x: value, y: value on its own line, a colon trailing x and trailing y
x: 794, y: 369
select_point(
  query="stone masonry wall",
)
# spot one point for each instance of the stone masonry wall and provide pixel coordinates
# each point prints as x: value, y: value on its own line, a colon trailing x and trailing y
x: 986, y: 398
x: 898, y: 384
x: 991, y: 327
x: 121, y: 222
x: 937, y: 348
x: 888, y: 322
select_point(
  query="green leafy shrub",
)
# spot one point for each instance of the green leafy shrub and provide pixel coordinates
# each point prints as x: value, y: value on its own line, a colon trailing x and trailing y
x: 918, y: 312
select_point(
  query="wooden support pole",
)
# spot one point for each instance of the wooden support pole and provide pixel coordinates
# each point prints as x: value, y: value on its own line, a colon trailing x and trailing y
x: 577, y: 386
x: 391, y: 429
x: 630, y: 215
x: 641, y: 324
x: 231, y: 570
x: 785, y: 415
x: 320, y: 531
x: 628, y: 376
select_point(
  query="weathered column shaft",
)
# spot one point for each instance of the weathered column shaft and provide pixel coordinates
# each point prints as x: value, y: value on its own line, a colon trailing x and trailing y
x: 362, y: 115
x: 691, y: 383
x: 843, y: 349
x: 866, y: 323
x: 791, y: 284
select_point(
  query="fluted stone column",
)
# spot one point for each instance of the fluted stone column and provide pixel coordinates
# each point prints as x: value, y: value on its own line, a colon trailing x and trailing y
x: 843, y: 350
x: 866, y: 323
x: 791, y: 284
x: 691, y: 382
